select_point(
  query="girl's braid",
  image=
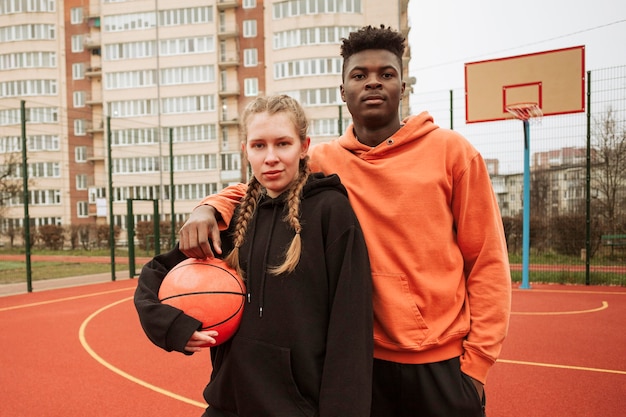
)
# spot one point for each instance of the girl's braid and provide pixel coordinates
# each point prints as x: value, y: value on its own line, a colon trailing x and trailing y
x: 246, y: 212
x: 292, y: 254
x: 295, y: 195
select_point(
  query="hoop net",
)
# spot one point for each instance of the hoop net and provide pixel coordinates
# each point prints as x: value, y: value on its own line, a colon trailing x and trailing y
x: 525, y: 111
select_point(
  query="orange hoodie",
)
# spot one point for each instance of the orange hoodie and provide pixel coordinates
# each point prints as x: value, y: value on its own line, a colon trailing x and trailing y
x: 435, y: 240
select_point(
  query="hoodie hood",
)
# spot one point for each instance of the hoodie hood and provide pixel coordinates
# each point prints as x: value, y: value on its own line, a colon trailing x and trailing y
x: 413, y: 129
x: 317, y: 183
x: 262, y: 243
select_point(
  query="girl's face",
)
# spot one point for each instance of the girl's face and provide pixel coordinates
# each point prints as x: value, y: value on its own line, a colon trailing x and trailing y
x: 274, y: 150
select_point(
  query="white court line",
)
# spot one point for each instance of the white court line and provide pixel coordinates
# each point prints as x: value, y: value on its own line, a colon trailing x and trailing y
x: 604, y: 306
x: 99, y: 359
x: 551, y: 365
x: 59, y: 300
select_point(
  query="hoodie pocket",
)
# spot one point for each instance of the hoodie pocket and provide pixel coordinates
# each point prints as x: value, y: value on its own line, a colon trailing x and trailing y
x: 404, y: 327
x: 256, y: 379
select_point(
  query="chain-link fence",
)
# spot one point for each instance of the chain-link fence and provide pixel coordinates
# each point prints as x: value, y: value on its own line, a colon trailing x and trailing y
x: 577, y: 180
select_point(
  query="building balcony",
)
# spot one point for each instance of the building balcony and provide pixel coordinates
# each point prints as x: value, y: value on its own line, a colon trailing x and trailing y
x: 95, y: 128
x: 93, y: 155
x: 228, y: 61
x: 227, y: 32
x: 92, y: 41
x: 225, y: 93
x: 93, y: 101
x: 233, y: 121
x: 94, y: 22
x: 226, y: 4
x: 93, y: 72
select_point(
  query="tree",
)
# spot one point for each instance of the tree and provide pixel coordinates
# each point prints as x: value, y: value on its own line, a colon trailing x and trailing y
x: 10, y: 184
x: 540, y: 193
x: 51, y: 236
x: 609, y: 178
x: 568, y: 231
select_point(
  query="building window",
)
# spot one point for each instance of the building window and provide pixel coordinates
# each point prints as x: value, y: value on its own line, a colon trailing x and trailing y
x: 188, y: 75
x: 28, y: 88
x: 96, y: 193
x: 249, y: 28
x: 77, y: 43
x: 16, y: 6
x: 292, y: 8
x: 80, y: 127
x: 311, y: 36
x: 231, y: 161
x: 132, y: 21
x: 189, y: 16
x: 43, y: 115
x: 307, y: 67
x: 28, y: 60
x: 27, y: 32
x: 80, y: 154
x: 130, y: 79
x: 82, y: 209
x: 130, y: 50
x: 250, y: 57
x: 79, y: 98
x: 78, y: 71
x: 182, y: 46
x: 251, y: 87
x: 188, y: 104
x: 133, y: 108
x: 249, y: 4
x: 76, y: 15
x: 81, y: 182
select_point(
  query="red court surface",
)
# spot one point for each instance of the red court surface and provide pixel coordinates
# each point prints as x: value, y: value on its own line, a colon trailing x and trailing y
x: 80, y: 351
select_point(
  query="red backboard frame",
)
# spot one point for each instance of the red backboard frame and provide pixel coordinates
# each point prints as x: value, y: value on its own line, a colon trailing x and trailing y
x: 554, y: 79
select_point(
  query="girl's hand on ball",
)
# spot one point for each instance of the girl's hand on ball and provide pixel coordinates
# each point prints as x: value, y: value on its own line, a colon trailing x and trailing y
x: 200, y: 340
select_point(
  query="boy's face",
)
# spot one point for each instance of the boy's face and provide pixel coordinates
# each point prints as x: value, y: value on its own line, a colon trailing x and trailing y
x: 372, y: 86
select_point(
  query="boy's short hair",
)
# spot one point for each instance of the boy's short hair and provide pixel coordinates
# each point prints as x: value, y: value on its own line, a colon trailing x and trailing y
x: 369, y: 37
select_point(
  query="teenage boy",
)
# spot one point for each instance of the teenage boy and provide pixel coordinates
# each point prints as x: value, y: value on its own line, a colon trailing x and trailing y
x: 440, y: 271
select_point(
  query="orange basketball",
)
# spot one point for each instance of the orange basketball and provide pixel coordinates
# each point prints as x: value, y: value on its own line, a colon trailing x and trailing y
x: 209, y: 291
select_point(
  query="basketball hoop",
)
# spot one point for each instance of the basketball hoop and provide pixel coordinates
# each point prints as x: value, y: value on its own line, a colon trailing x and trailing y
x: 525, y: 111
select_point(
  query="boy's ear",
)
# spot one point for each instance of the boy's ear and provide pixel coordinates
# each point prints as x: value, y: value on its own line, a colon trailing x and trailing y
x: 342, y: 91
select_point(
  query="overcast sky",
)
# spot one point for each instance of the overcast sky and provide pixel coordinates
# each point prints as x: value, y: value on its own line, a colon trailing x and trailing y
x: 446, y: 34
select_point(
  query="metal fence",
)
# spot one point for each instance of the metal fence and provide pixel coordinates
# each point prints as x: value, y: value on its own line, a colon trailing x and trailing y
x: 578, y: 180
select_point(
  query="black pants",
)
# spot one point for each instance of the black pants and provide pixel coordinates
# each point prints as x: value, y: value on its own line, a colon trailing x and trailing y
x: 429, y: 390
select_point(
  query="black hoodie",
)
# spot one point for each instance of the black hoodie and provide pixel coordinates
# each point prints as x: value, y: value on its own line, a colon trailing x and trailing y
x: 304, y: 347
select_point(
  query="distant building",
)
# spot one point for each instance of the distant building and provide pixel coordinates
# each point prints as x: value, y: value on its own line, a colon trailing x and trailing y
x: 557, y: 184
x: 559, y: 157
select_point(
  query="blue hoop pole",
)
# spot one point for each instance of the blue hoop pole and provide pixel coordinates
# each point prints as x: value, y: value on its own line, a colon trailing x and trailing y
x: 526, y: 219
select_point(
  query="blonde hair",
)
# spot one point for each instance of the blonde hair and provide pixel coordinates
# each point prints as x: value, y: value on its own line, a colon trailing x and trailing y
x: 248, y: 206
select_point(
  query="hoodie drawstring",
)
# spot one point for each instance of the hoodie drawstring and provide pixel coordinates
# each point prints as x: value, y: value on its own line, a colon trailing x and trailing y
x: 265, y: 258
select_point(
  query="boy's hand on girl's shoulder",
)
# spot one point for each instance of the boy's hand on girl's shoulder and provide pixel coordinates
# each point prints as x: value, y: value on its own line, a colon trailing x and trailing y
x: 198, y: 231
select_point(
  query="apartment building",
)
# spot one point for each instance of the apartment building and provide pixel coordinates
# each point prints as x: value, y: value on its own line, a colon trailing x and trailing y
x: 558, y: 181
x: 139, y: 100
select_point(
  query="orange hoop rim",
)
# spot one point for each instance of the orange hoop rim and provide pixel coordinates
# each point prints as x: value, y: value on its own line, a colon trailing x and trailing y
x: 525, y: 110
